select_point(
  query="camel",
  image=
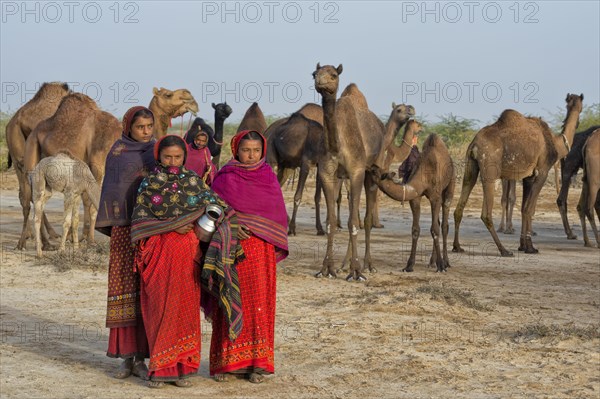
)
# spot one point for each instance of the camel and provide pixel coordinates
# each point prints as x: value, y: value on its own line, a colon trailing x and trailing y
x: 215, y: 137
x: 354, y: 138
x: 43, y: 105
x: 70, y: 176
x: 514, y: 147
x: 168, y: 104
x: 591, y: 186
x: 434, y: 178
x: 253, y: 120
x: 88, y: 133
x: 569, y: 166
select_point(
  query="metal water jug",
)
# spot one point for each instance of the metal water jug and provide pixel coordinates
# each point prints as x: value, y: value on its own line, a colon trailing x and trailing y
x: 206, y: 223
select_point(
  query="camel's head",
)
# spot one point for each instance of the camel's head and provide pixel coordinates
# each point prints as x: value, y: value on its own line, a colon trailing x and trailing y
x: 380, y: 174
x: 574, y: 102
x: 175, y: 102
x: 402, y: 113
x: 414, y: 127
x: 53, y: 91
x: 327, y: 78
x: 222, y: 110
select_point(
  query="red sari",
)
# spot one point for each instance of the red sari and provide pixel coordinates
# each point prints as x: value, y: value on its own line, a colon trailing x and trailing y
x: 252, y: 351
x: 170, y: 298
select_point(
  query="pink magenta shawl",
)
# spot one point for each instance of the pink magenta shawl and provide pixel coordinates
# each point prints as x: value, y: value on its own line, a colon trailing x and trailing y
x: 254, y: 193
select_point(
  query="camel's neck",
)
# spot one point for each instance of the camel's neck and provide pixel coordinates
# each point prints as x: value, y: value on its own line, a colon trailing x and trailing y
x: 567, y: 134
x: 399, y: 192
x: 401, y: 152
x: 330, y: 124
x: 388, y: 149
x: 219, y: 124
x: 161, y: 120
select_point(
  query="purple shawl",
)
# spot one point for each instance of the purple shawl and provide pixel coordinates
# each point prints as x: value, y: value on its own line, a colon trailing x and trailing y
x: 254, y: 193
x: 126, y: 165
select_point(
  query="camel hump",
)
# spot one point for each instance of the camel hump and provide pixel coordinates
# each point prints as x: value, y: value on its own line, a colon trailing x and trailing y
x: 358, y: 98
x: 51, y: 90
x: 77, y: 99
x: 510, y: 117
x: 433, y: 140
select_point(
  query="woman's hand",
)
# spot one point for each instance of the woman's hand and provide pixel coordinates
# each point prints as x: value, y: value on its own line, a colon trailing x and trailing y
x: 244, y: 232
x: 185, y: 229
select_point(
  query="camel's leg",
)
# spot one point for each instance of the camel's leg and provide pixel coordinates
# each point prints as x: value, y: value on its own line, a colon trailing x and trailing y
x: 581, y: 211
x: 590, y: 203
x: 318, y: 189
x: 447, y: 195
x: 326, y: 173
x: 561, y: 200
x: 415, y: 207
x: 469, y: 180
x: 50, y: 230
x: 436, y: 204
x: 376, y: 223
x: 557, y: 176
x: 25, y: 199
x: 503, y: 205
x: 88, y: 233
x: 486, y: 214
x: 38, y: 216
x: 531, y: 191
x: 75, y: 222
x: 356, y: 183
x: 304, y: 169
x: 371, y: 199
x: 511, y: 199
x: 67, y: 222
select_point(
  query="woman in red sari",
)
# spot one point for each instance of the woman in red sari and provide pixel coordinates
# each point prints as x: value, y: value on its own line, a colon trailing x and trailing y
x: 170, y: 200
x: 248, y: 184
x: 128, y: 160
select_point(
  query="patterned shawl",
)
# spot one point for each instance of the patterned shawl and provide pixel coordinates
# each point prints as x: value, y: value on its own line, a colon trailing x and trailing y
x: 126, y: 164
x: 172, y: 197
x: 254, y: 193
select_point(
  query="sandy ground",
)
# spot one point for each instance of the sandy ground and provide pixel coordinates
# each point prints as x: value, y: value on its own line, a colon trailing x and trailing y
x: 527, y: 326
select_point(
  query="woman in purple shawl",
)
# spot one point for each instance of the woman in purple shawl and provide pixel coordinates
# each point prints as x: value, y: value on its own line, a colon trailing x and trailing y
x: 126, y: 164
x: 248, y: 184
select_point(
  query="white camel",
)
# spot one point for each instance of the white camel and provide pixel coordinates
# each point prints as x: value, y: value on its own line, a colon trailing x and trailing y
x: 70, y: 176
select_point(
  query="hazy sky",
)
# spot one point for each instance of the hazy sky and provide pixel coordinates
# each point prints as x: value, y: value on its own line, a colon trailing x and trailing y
x: 470, y: 58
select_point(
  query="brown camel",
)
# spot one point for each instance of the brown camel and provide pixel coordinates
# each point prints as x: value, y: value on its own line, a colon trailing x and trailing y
x: 168, y: 104
x: 354, y: 138
x: 80, y: 127
x: 253, y: 120
x: 433, y: 177
x: 569, y: 166
x: 514, y: 147
x: 88, y: 133
x: 43, y: 105
x: 591, y: 186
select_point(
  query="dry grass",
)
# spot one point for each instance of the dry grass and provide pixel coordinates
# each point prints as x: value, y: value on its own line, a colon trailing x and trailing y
x: 541, y: 330
x: 86, y: 258
x: 452, y: 296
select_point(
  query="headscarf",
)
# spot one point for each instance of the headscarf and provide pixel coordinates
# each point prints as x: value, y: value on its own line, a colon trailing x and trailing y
x: 174, y: 196
x: 126, y: 164
x: 254, y: 192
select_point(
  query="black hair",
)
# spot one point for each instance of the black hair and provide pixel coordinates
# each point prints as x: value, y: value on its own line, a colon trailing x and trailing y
x: 142, y: 113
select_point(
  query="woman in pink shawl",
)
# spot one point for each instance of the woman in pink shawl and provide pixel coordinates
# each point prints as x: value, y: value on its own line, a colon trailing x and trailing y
x: 248, y: 184
x: 198, y: 158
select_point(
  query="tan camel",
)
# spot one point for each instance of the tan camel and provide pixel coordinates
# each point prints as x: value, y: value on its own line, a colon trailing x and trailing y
x: 354, y: 138
x: 70, y: 176
x: 88, y: 133
x: 43, y: 105
x: 81, y: 128
x: 514, y: 147
x: 253, y: 119
x: 168, y: 104
x: 590, y: 198
x: 433, y: 177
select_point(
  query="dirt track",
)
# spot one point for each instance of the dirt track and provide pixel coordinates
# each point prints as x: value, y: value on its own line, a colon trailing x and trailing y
x: 527, y: 326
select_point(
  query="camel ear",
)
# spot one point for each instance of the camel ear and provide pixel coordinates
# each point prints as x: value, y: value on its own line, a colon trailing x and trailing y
x: 155, y: 91
x: 214, y: 106
x: 393, y: 105
x: 581, y: 95
x: 318, y: 65
x: 567, y: 99
x: 340, y: 68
